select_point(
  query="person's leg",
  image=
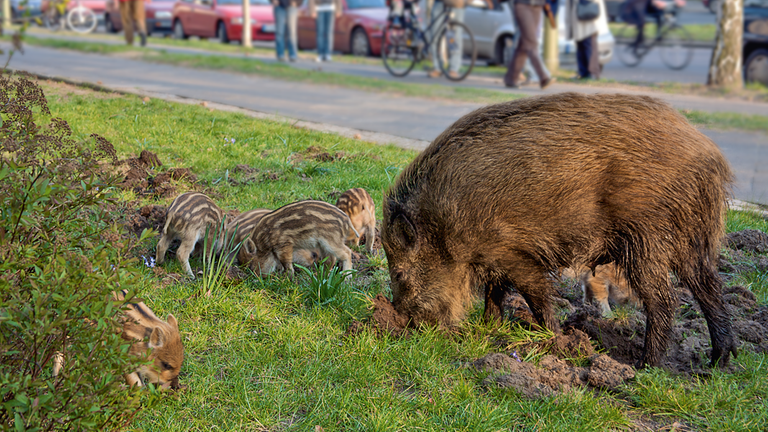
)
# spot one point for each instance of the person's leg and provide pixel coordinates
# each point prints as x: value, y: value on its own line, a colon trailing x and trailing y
x: 594, y: 57
x: 292, y: 18
x: 582, y: 57
x: 437, y: 9
x: 320, y: 35
x: 280, y: 18
x: 331, y: 25
x: 458, y: 53
x: 527, y: 20
x: 139, y: 18
x: 127, y: 18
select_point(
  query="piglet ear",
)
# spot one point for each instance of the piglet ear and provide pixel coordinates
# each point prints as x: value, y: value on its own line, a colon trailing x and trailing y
x: 156, y: 339
x: 249, y: 246
x: 172, y: 321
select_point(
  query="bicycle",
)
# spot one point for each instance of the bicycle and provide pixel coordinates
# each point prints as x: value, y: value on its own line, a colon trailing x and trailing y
x: 80, y: 18
x: 673, y: 40
x: 405, y: 42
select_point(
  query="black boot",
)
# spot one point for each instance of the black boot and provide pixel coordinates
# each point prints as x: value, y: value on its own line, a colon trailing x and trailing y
x: 143, y: 37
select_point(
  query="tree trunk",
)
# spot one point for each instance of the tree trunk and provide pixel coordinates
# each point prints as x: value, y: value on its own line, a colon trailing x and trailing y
x: 725, y: 66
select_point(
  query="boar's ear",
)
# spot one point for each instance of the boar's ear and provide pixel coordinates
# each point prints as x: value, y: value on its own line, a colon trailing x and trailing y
x: 157, y: 338
x: 402, y: 229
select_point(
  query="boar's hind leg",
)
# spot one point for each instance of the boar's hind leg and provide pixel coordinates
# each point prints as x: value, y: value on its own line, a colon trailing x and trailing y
x: 656, y: 292
x: 494, y: 296
x: 706, y: 287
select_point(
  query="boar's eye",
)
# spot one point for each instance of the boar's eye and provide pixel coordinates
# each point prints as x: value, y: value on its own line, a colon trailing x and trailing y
x: 166, y: 366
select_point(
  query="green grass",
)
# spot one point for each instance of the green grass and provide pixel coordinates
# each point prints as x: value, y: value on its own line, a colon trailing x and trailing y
x: 261, y: 355
x: 435, y: 91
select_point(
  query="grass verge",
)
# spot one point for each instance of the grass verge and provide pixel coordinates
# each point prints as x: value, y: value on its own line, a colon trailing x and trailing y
x: 263, y: 355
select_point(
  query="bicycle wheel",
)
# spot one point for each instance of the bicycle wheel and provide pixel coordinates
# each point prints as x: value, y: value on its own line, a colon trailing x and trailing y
x: 81, y: 19
x: 625, y: 47
x: 456, y: 43
x: 397, y: 51
x: 52, y: 19
x: 676, y: 50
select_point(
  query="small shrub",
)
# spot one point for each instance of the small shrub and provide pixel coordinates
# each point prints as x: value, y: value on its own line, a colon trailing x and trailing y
x: 324, y: 285
x: 61, y: 257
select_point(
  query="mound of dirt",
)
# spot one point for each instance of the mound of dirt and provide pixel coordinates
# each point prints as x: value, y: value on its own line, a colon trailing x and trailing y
x: 385, y: 320
x: 750, y: 240
x: 316, y: 154
x: 140, y: 179
x: 150, y: 216
x: 552, y: 375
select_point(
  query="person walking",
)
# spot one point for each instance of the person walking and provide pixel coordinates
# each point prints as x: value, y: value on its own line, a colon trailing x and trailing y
x: 286, y: 17
x: 132, y: 16
x: 585, y: 34
x: 527, y: 15
x: 325, y: 13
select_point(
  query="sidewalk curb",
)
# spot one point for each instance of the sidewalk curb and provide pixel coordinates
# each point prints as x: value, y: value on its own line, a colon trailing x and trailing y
x: 358, y: 134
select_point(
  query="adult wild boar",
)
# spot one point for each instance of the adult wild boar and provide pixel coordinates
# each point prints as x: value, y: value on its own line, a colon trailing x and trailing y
x: 514, y: 191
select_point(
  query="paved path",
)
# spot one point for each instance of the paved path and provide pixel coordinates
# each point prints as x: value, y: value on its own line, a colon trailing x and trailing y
x: 418, y: 120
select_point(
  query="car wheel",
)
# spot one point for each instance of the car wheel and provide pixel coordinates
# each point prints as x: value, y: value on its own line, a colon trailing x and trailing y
x: 505, y: 47
x: 108, y: 24
x: 360, y: 45
x: 178, y: 30
x: 756, y: 67
x: 221, y: 33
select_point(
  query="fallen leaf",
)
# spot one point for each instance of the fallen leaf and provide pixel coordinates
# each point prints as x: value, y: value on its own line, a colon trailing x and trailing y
x: 205, y: 104
x: 146, y: 98
x: 357, y: 136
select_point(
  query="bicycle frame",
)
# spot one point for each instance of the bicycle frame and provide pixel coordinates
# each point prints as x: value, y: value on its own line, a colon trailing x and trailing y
x: 438, y: 22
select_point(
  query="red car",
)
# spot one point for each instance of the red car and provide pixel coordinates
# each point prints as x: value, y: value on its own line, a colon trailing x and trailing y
x: 358, y: 30
x: 222, y: 19
x: 157, y: 13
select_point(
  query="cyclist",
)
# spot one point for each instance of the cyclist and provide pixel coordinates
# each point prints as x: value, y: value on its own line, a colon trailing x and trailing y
x: 634, y: 12
x: 458, y: 15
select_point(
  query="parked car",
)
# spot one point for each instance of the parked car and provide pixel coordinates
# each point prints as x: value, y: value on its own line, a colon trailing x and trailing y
x: 22, y: 8
x: 755, y: 52
x: 158, y: 14
x: 357, y: 31
x: 493, y: 29
x: 494, y: 34
x: 222, y: 19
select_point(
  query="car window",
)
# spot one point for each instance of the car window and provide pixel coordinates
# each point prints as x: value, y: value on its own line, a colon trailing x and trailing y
x: 365, y: 4
x: 237, y: 2
x: 756, y: 3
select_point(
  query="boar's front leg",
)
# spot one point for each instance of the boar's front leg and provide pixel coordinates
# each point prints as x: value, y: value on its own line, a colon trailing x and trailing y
x: 528, y: 278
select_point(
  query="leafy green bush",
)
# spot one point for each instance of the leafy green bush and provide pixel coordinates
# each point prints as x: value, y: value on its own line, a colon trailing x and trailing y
x: 61, y: 257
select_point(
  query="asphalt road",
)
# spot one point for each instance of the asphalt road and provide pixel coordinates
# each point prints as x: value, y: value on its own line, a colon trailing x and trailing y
x: 413, y: 118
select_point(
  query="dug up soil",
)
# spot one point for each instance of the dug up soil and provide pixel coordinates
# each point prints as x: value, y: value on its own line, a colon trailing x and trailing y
x: 598, y: 352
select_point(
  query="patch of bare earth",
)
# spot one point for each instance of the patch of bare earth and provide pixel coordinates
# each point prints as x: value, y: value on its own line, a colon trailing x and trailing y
x: 620, y: 341
x: 65, y: 90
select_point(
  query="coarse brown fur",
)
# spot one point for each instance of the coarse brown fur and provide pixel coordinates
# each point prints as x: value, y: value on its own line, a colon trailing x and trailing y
x: 241, y: 228
x: 514, y: 191
x: 158, y: 339
x: 358, y: 205
x: 188, y: 218
x: 307, y: 225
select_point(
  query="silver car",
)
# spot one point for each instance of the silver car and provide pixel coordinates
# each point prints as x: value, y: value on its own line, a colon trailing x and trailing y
x: 494, y: 31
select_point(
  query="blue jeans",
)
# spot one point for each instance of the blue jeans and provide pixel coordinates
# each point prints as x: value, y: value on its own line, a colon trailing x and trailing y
x: 325, y: 21
x: 285, y: 30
